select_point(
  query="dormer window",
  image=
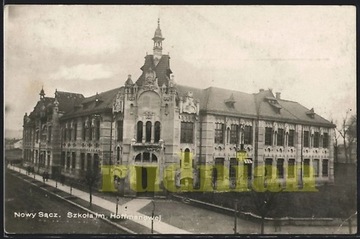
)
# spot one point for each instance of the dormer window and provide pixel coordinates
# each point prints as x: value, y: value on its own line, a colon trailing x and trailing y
x: 311, y: 113
x: 274, y: 103
x: 230, y: 102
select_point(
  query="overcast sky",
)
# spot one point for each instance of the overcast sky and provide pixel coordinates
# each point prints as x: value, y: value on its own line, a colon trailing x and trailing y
x: 305, y: 52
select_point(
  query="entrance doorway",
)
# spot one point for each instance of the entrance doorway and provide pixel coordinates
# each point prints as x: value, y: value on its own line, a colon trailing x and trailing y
x: 145, y: 181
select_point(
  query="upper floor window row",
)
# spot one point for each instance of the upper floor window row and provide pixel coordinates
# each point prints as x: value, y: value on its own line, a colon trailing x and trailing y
x: 315, y: 140
x: 152, y: 132
x: 233, y: 134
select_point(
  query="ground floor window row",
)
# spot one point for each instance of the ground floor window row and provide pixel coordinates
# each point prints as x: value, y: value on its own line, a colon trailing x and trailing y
x: 88, y: 161
x: 38, y: 157
x: 273, y: 168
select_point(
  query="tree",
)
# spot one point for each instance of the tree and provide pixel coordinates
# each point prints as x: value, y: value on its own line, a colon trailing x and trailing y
x: 91, y: 178
x: 264, y: 203
x: 348, y: 133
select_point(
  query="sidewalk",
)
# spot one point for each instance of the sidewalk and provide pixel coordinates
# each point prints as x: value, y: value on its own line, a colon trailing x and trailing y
x: 181, y: 218
x: 130, y: 208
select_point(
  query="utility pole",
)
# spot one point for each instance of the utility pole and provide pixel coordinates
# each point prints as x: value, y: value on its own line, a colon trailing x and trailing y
x: 152, y: 217
x: 235, y: 216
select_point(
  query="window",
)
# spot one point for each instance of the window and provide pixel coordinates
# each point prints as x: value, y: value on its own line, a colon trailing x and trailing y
x: 153, y: 158
x: 88, y: 161
x: 82, y: 161
x: 325, y: 168
x: 96, y: 163
x: 120, y: 126
x: 90, y: 130
x: 316, y: 139
x: 234, y: 134
x: 73, y: 162
x: 187, y: 129
x: 37, y: 136
x: 146, y: 157
x: 306, y: 168
x: 69, y: 133
x: 248, y: 169
x: 75, y: 131
x: 49, y: 133
x: 118, y: 155
x: 97, y: 130
x: 148, y: 131
x: 291, y: 168
x: 291, y: 138
x: 306, y: 139
x: 68, y: 160
x: 248, y: 134
x: 232, y: 168
x: 138, y: 158
x: 65, y: 134
x: 83, y: 131
x: 219, y: 133
x: 326, y: 140
x: 268, y: 136
x: 280, y: 137
x: 316, y: 167
x: 62, y: 158
x: 280, y: 168
x: 139, y: 134
x: 268, y: 168
x: 157, y: 132
x: 219, y: 165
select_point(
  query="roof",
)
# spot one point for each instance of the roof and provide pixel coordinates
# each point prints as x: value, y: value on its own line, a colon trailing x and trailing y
x: 214, y: 100
x: 93, y: 104
x: 68, y: 100
x: 162, y: 69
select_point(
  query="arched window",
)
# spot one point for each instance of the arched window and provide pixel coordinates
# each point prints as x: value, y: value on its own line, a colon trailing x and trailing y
x: 154, y: 158
x: 139, y: 131
x: 148, y: 131
x: 97, y: 130
x: 228, y: 135
x: 187, y: 156
x: 146, y: 157
x: 118, y: 155
x: 138, y: 158
x: 157, y: 132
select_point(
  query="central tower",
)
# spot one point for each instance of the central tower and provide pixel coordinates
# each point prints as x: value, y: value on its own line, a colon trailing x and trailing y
x: 157, y: 44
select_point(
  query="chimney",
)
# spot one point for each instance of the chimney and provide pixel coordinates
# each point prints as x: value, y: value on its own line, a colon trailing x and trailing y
x: 278, y: 95
x: 261, y: 90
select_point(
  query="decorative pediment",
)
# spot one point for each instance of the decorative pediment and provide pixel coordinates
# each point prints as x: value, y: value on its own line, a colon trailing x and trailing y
x: 118, y: 103
x: 188, y: 104
x: 150, y: 76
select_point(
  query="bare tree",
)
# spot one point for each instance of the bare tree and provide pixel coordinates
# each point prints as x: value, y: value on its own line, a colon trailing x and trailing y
x: 264, y: 202
x: 348, y: 133
x: 91, y: 178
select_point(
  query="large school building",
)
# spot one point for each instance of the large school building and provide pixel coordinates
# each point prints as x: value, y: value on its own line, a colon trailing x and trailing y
x: 154, y: 134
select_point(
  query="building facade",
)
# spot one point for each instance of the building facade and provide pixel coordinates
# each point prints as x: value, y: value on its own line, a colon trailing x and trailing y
x: 155, y: 135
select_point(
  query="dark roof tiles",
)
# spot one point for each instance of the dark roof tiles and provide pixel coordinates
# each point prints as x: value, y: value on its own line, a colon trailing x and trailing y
x: 162, y: 69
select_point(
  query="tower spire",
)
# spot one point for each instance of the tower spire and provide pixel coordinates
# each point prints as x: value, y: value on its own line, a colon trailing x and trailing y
x: 42, y: 93
x: 158, y: 38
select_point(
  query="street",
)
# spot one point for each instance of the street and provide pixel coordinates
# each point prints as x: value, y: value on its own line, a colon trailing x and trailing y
x: 31, y: 210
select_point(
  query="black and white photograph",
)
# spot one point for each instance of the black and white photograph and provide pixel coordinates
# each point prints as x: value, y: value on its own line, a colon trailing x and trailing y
x: 180, y: 119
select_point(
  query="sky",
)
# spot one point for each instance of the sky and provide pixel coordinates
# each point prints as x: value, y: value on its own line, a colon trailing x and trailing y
x: 308, y: 53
